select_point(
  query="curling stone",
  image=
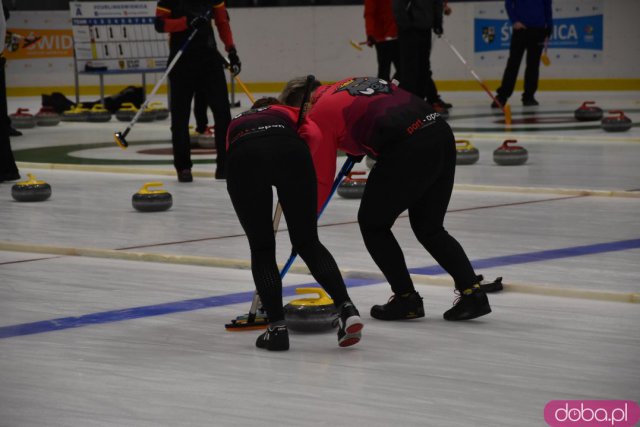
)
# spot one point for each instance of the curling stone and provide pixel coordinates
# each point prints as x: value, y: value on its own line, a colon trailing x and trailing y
x: 369, y: 161
x: 466, y: 153
x: 21, y: 119
x: 207, y: 139
x: 161, y: 112
x: 76, y: 114
x: 126, y: 112
x: 99, y: 114
x: 619, y: 123
x: 47, y: 116
x: 352, y: 188
x: 510, y: 155
x: 311, y: 314
x: 147, y: 200
x: 31, y: 190
x: 588, y: 112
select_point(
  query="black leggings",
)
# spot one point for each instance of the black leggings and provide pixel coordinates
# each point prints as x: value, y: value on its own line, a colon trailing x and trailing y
x: 253, y: 167
x: 416, y: 174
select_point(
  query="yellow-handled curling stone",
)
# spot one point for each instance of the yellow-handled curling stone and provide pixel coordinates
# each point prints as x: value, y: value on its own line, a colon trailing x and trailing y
x: 466, y: 153
x: 311, y: 314
x: 148, y: 200
x: 32, y: 190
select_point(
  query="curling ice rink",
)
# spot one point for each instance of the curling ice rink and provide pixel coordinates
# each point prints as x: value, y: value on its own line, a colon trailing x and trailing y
x: 112, y: 317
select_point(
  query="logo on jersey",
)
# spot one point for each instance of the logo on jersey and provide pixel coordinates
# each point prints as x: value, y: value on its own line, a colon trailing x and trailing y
x: 365, y: 86
x: 252, y: 111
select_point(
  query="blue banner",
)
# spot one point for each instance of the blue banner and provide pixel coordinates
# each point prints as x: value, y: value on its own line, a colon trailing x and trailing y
x: 585, y: 32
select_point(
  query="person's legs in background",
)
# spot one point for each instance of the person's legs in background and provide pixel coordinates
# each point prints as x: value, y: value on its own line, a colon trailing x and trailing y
x: 182, y: 85
x: 215, y: 88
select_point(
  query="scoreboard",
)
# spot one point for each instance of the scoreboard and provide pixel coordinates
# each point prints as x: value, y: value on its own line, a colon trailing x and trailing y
x: 117, y: 37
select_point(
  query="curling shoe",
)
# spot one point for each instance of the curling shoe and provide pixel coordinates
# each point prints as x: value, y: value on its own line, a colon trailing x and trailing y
x: 471, y: 303
x: 349, y: 325
x: 403, y: 306
x: 275, y: 338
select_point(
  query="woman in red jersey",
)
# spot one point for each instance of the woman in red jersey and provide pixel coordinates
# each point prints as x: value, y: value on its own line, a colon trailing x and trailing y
x: 416, y: 157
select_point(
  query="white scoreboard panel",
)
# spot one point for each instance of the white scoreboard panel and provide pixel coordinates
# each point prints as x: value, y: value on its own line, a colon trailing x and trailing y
x: 117, y: 36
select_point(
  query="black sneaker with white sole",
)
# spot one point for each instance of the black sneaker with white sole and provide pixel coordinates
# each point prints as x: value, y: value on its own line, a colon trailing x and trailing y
x: 349, y: 325
x: 275, y: 338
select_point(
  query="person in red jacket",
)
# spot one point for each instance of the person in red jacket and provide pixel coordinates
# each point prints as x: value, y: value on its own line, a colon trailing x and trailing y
x: 200, y: 68
x: 264, y: 151
x: 416, y: 158
x: 382, y: 33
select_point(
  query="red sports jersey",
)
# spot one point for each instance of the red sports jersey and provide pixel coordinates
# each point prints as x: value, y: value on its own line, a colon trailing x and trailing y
x: 379, y: 21
x: 359, y: 115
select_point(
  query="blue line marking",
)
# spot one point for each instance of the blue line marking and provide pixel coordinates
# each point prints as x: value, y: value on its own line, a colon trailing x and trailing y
x: 149, y: 311
x: 539, y: 256
x: 240, y: 297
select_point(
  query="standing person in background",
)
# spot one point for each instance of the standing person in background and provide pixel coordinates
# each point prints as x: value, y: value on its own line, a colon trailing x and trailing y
x: 8, y: 168
x: 416, y: 19
x: 532, y: 24
x: 382, y: 33
x: 200, y: 68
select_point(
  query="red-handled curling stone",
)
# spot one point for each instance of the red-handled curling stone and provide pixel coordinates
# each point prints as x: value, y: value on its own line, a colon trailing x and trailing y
x: 588, y: 112
x: 352, y: 188
x: 510, y: 155
x: 619, y: 123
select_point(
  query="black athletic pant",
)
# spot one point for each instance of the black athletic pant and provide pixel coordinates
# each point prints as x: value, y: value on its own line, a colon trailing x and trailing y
x: 388, y: 53
x: 416, y: 174
x: 254, y: 166
x: 415, y: 63
x: 531, y: 40
x: 200, y: 110
x: 8, y: 166
x: 206, y: 75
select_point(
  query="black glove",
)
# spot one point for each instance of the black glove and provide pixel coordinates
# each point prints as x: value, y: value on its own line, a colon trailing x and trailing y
x: 354, y: 158
x: 438, y: 31
x: 371, y: 41
x: 198, y: 21
x: 234, y: 62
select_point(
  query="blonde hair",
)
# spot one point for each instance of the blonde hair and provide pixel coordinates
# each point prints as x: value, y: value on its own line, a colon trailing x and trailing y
x: 293, y: 91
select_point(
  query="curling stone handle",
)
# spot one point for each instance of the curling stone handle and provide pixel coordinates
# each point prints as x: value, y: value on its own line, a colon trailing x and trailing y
x: 464, y: 143
x: 619, y: 112
x: 22, y: 110
x: 585, y: 103
x: 320, y: 292
x: 145, y: 187
x: 350, y: 174
x: 506, y: 145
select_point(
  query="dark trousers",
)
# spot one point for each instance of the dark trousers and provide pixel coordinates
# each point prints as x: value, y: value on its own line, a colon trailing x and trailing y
x: 200, y: 111
x: 415, y: 63
x: 187, y: 77
x: 532, y: 41
x: 388, y: 52
x: 416, y: 174
x: 254, y: 166
x: 7, y: 162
